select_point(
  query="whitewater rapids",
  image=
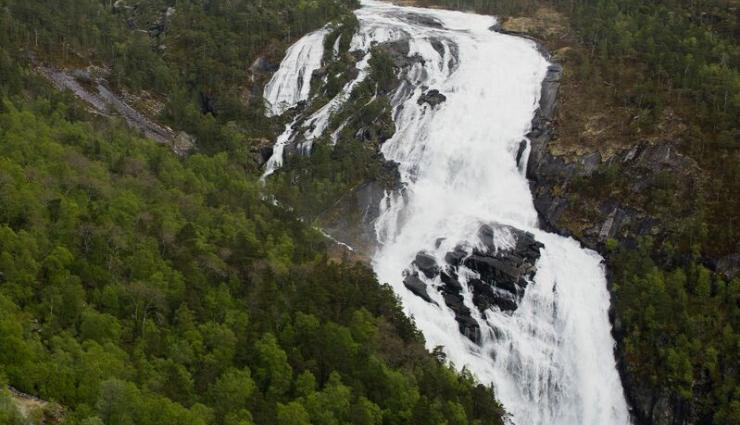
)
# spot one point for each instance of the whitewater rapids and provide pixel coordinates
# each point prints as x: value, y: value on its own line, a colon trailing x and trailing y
x: 551, y: 361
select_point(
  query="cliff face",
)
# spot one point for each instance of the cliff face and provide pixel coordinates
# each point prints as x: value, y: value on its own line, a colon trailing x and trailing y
x: 557, y: 180
x: 604, y: 201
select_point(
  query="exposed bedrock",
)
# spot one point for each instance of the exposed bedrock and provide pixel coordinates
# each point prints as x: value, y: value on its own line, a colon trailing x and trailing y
x: 432, y: 98
x: 554, y: 181
x: 595, y: 217
x: 495, y: 277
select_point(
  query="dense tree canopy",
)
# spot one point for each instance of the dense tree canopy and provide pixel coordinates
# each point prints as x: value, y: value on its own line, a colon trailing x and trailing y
x: 138, y: 287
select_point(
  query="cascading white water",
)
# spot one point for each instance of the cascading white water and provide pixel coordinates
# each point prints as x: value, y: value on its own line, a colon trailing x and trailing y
x: 291, y: 83
x: 551, y: 361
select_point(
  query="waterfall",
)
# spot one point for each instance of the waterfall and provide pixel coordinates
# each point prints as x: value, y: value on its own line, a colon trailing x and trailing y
x: 551, y: 358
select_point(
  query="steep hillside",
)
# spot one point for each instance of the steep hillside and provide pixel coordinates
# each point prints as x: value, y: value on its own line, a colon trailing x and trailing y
x: 639, y: 160
x: 142, y: 287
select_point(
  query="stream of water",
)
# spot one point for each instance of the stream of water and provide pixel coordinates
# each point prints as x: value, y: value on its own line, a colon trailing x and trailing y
x: 551, y: 360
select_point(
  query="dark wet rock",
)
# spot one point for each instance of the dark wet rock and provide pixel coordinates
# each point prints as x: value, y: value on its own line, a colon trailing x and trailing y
x: 352, y: 218
x: 482, y: 294
x: 425, y: 20
x: 486, y: 296
x: 503, y: 274
x: 399, y: 54
x: 264, y: 154
x: 456, y: 303
x: 426, y: 264
x: 455, y: 257
x: 414, y: 284
x: 495, y: 271
x: 438, y: 46
x: 505, y: 300
x: 451, y: 282
x: 520, y: 152
x: 432, y: 97
x: 467, y: 325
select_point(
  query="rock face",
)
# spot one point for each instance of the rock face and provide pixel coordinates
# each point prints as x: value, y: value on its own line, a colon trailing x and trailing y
x: 552, y: 178
x: 553, y: 181
x: 352, y: 219
x: 417, y: 286
x: 500, y: 276
x: 432, y: 98
x: 90, y: 87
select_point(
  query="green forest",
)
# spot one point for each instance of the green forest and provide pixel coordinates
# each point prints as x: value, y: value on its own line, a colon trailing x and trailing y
x: 138, y: 287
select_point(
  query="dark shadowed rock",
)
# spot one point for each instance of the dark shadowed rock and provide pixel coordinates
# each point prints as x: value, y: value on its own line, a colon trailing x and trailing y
x: 466, y: 323
x: 425, y: 20
x: 450, y: 281
x: 503, y: 275
x: 265, y: 153
x: 495, y: 271
x: 520, y: 152
x: 432, y: 97
x: 414, y: 284
x: 426, y: 264
x: 454, y: 258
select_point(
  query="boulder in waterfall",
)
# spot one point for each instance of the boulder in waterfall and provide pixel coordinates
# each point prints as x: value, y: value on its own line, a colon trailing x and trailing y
x: 414, y: 284
x: 432, y: 97
x: 467, y: 325
x: 426, y: 264
x: 520, y: 152
x: 504, y: 272
x: 455, y: 257
x: 495, y: 271
x: 424, y: 20
x: 451, y: 282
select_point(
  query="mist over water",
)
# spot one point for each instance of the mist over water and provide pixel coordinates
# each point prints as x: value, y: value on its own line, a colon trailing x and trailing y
x: 551, y: 361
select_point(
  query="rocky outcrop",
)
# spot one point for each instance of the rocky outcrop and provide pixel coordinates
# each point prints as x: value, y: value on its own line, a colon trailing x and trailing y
x: 425, y: 20
x: 553, y: 180
x: 352, y: 219
x: 499, y: 275
x: 432, y: 98
x: 90, y: 87
x: 600, y: 199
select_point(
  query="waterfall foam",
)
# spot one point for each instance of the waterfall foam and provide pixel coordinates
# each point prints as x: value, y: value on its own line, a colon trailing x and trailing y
x: 551, y: 360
